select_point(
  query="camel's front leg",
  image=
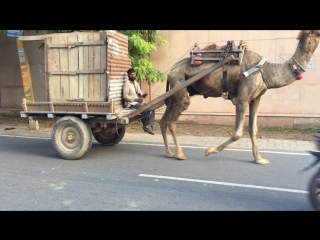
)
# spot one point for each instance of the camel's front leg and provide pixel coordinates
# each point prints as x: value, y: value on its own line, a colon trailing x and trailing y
x: 168, y: 120
x: 253, y: 130
x: 238, y: 130
x: 163, y: 128
x: 177, y: 104
x: 179, y: 153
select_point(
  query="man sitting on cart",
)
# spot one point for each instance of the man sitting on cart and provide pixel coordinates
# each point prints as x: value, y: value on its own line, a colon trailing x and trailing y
x: 133, y: 98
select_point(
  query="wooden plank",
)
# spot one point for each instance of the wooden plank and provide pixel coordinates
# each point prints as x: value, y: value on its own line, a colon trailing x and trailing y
x: 85, y: 106
x: 85, y: 67
x: 64, y: 66
x: 25, y: 72
x: 75, y: 44
x: 103, y: 65
x: 46, y: 78
x: 58, y: 103
x: 96, y: 65
x: 111, y: 106
x: 159, y: 101
x: 24, y: 104
x: 80, y: 49
x: 53, y: 59
x: 51, y: 107
x: 73, y: 59
x: 90, y: 67
x: 89, y: 100
x: 95, y: 71
x: 31, y: 38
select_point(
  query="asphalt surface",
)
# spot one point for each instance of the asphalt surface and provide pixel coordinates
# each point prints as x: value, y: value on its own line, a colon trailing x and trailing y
x: 243, y: 143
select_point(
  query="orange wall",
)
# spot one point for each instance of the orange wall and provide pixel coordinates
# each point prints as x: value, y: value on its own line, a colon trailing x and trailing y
x: 300, y: 98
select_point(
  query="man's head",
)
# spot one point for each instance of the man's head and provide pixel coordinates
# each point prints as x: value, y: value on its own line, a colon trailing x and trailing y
x: 131, y: 74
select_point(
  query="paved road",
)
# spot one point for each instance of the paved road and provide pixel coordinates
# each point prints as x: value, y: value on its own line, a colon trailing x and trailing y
x: 135, y: 176
x: 263, y: 144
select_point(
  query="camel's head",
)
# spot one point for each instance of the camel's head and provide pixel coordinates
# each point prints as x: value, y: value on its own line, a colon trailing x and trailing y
x: 308, y: 33
x: 309, y: 39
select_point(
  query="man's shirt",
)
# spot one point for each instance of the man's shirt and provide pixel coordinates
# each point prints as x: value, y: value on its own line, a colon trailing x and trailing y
x: 130, y: 91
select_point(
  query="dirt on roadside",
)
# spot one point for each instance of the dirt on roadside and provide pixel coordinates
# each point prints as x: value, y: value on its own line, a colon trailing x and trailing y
x: 190, y: 129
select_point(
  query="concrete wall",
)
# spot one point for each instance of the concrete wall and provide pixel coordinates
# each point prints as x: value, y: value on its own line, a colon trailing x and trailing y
x: 11, y: 88
x: 292, y: 105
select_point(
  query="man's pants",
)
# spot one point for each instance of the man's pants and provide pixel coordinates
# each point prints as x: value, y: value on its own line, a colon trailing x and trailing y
x: 147, y: 116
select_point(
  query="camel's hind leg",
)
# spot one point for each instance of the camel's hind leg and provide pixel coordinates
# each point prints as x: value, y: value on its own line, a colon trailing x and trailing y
x: 169, y: 118
x: 253, y: 130
x: 238, y: 130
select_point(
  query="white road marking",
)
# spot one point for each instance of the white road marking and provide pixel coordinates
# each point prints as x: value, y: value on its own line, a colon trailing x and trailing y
x: 195, y: 147
x: 225, y: 183
x: 226, y: 149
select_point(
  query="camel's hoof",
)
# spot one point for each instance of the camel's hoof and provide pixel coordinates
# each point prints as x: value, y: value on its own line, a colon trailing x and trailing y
x: 210, y: 150
x: 170, y: 155
x: 261, y: 161
x: 180, y: 156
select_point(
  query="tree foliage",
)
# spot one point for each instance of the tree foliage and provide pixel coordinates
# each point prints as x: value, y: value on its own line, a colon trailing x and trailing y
x: 141, y: 44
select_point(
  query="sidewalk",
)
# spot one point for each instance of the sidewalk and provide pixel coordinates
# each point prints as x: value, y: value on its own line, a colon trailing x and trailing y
x: 243, y: 143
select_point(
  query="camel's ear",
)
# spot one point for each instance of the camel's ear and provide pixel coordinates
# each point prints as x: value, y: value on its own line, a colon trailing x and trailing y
x: 303, y: 34
x: 316, y: 32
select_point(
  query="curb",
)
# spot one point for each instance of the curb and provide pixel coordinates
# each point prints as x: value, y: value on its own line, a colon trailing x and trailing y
x: 243, y: 143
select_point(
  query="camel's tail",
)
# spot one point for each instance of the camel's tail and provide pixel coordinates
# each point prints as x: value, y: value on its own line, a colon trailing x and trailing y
x: 167, y: 101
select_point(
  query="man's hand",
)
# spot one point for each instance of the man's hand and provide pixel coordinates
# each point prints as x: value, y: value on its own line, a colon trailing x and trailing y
x: 144, y: 95
x: 139, y: 100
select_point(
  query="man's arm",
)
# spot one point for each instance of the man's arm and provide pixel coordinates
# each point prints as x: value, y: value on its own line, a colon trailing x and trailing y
x: 139, y: 92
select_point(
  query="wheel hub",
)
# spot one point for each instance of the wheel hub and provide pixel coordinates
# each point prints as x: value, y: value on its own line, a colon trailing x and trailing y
x: 70, y: 137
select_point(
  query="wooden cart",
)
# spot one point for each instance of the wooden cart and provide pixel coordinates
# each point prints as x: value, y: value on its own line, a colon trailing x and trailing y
x: 85, y: 72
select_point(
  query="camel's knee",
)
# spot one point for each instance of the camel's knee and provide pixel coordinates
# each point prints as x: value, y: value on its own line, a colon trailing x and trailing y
x: 253, y: 132
x: 236, y: 136
x: 186, y: 104
x: 162, y: 124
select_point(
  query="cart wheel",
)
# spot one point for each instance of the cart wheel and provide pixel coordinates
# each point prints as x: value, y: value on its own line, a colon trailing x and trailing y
x: 314, y: 191
x: 71, y: 137
x: 109, y: 138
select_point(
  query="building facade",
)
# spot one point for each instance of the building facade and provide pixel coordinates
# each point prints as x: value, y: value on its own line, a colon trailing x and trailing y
x: 295, y: 105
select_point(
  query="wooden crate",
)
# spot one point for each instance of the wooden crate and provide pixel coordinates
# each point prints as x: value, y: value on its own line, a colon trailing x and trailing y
x: 86, y: 67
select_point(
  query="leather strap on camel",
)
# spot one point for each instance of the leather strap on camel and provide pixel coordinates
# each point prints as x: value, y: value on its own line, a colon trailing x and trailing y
x: 255, y: 68
x: 224, y: 84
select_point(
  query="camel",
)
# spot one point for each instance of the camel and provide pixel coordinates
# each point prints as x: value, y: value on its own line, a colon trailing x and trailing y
x: 244, y: 90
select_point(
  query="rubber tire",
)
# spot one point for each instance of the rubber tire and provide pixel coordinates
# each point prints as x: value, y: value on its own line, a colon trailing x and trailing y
x: 81, y: 132
x: 314, y: 191
x: 108, y: 138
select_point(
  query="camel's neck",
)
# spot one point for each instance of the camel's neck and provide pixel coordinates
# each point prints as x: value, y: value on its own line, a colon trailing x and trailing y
x: 281, y: 74
x: 278, y: 74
